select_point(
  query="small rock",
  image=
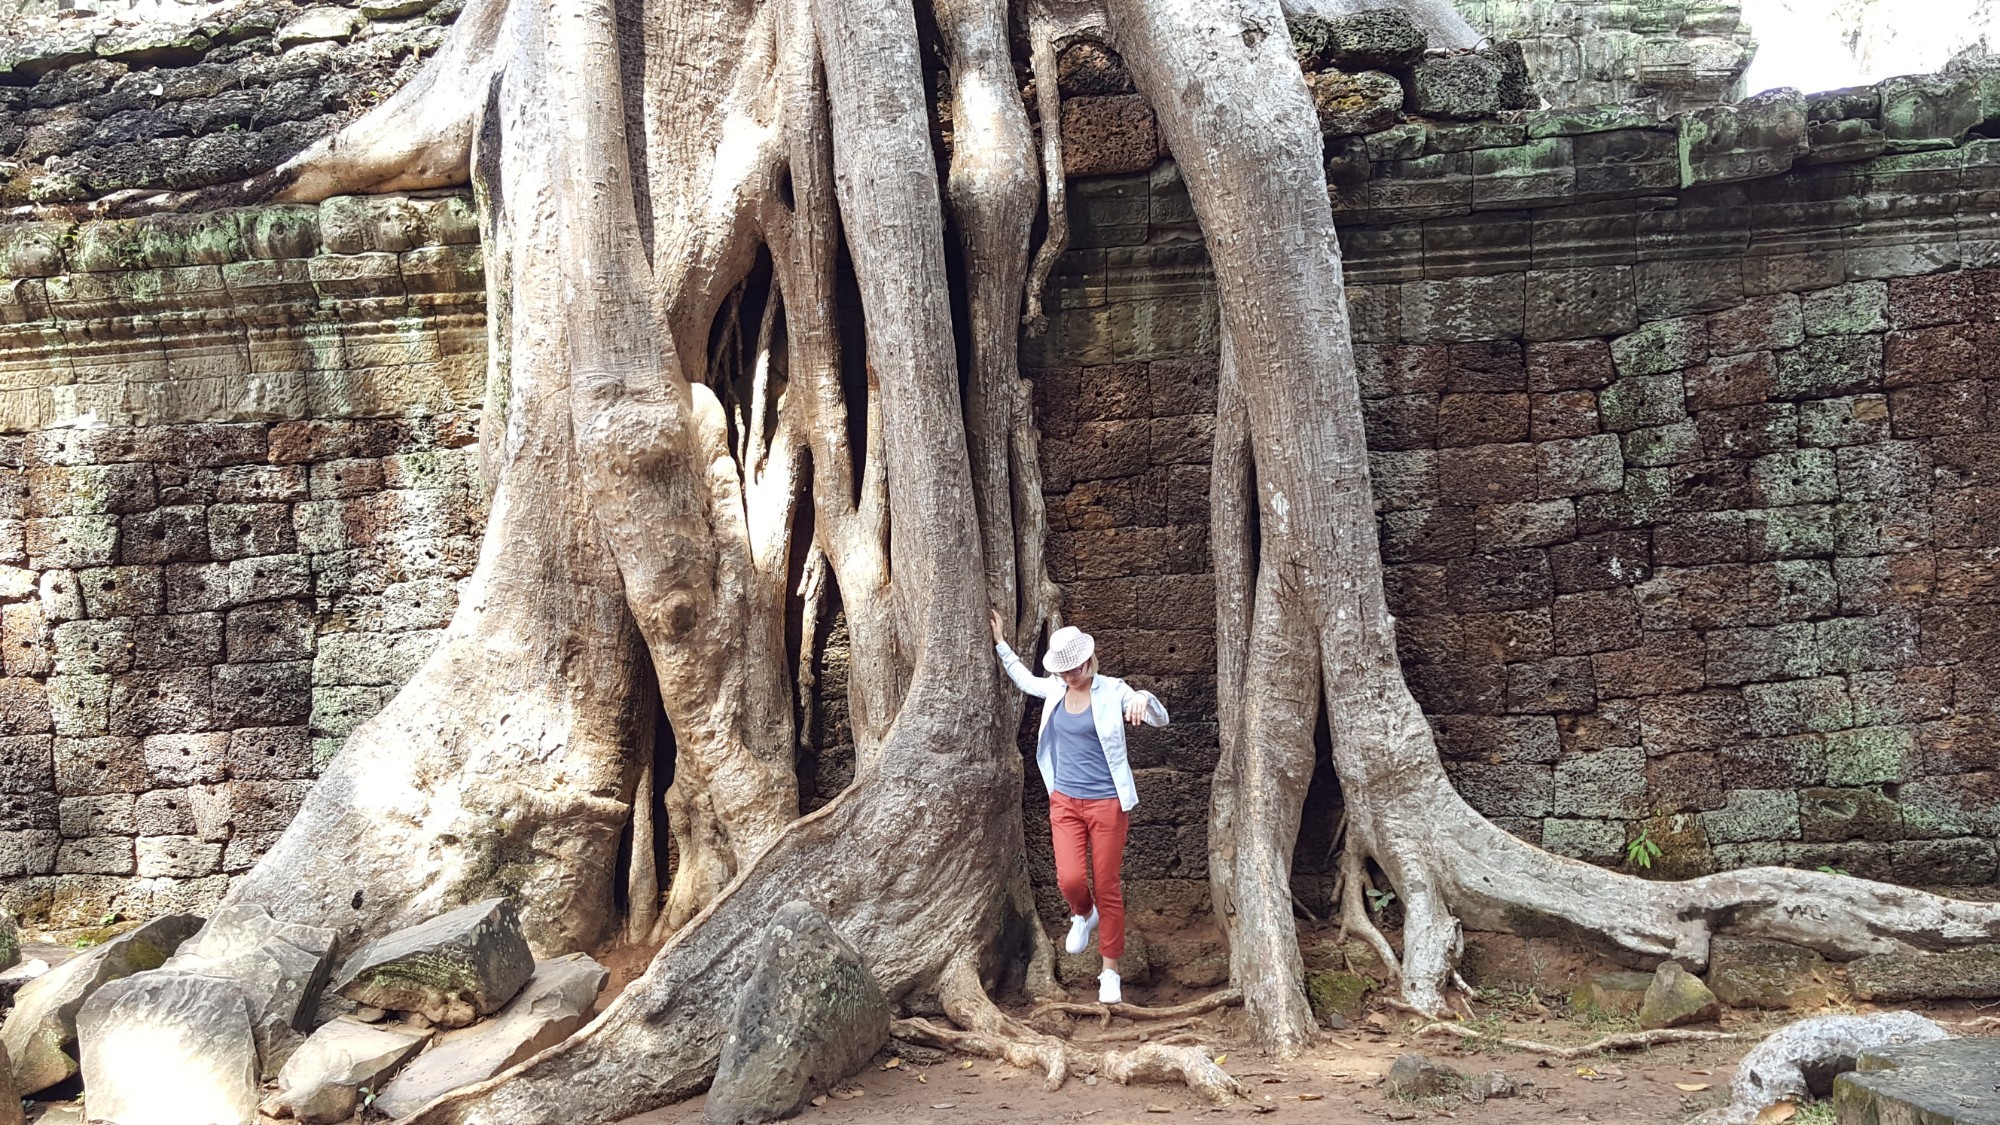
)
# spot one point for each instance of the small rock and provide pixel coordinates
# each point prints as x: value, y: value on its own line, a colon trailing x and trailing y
x: 317, y: 25
x: 810, y: 1015
x: 555, y: 1002
x: 1962, y: 974
x: 1676, y: 997
x: 1364, y: 40
x: 1612, y: 994
x: 1755, y: 973
x: 41, y: 1030
x: 1353, y: 104
x: 1492, y: 1084
x: 1412, y: 1077
x: 1338, y: 995
x: 366, y: 1014
x: 169, y: 1048
x: 322, y: 1081
x: 451, y: 970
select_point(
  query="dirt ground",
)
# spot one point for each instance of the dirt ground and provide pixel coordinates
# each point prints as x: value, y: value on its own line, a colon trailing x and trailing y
x: 1337, y: 1083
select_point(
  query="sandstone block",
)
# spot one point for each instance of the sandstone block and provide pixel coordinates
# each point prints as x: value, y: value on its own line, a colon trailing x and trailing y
x: 1755, y: 973
x: 1355, y: 104
x: 1676, y: 998
x: 40, y: 1032
x: 1948, y: 1082
x: 322, y: 1082
x: 452, y: 969
x: 169, y: 1048
x: 553, y: 1004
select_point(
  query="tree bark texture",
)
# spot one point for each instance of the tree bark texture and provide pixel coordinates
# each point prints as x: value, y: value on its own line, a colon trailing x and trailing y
x: 675, y: 195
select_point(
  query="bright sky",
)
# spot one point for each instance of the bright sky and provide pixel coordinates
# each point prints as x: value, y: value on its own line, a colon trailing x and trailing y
x: 1826, y: 44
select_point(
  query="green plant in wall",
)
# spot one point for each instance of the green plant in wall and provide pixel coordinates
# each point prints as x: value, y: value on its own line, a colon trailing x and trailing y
x: 1641, y: 851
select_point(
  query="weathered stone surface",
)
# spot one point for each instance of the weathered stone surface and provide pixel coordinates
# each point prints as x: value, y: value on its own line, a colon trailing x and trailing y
x: 1079, y: 970
x: 555, y: 1002
x: 10, y: 1098
x: 1948, y: 1082
x: 1965, y: 974
x: 1364, y: 40
x: 169, y: 1048
x: 279, y: 967
x: 1754, y: 973
x: 1462, y: 86
x: 1612, y: 994
x: 1352, y: 104
x: 1676, y: 997
x: 40, y: 1033
x: 1412, y: 1077
x: 1759, y: 136
x: 10, y: 942
x: 1801, y: 1059
x: 1106, y: 136
x: 451, y: 970
x: 1337, y: 993
x: 322, y: 1082
x: 810, y: 1015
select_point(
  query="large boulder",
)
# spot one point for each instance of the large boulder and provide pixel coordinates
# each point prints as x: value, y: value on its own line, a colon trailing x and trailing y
x: 1676, y: 997
x: 169, y: 1048
x: 1756, y: 973
x: 553, y: 1004
x: 451, y: 970
x: 280, y: 968
x: 323, y: 1080
x: 40, y: 1033
x: 810, y: 1015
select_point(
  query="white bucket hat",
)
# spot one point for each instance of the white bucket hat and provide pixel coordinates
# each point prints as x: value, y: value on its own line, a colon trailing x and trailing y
x: 1069, y: 647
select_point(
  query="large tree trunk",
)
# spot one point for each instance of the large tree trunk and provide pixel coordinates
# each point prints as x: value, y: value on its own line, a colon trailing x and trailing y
x: 1233, y: 107
x: 630, y: 158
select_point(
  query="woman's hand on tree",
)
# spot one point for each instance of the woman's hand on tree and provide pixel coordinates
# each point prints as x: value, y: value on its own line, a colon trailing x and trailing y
x: 999, y: 626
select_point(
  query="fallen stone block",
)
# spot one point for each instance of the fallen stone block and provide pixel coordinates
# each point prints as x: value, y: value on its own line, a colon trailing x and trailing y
x: 1962, y: 974
x: 1354, y: 104
x: 40, y: 1033
x: 552, y: 1005
x: 1676, y: 997
x: 1948, y: 1082
x: 169, y: 1048
x: 1361, y: 40
x: 1754, y: 973
x: 1612, y: 994
x: 810, y: 1015
x: 1462, y: 86
x: 451, y: 970
x: 323, y: 1080
x: 280, y: 967
x: 1338, y: 993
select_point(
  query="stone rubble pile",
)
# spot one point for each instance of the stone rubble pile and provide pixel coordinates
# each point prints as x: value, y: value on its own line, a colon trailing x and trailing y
x: 179, y: 1023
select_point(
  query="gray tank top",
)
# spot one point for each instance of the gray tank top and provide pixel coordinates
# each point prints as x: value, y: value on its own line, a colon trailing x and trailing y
x: 1081, y: 768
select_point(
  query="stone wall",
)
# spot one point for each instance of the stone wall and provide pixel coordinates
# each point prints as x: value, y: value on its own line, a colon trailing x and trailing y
x: 1687, y: 488
x: 1591, y: 52
x: 236, y: 495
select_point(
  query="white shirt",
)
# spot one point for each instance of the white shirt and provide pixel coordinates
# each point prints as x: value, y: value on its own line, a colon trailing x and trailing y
x: 1108, y: 696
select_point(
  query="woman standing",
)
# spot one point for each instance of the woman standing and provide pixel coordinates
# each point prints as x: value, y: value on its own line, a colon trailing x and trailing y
x: 1081, y: 753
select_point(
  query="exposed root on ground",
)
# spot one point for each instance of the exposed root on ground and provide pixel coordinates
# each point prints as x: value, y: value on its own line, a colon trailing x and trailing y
x: 1227, y: 998
x: 984, y: 1030
x: 1622, y: 1041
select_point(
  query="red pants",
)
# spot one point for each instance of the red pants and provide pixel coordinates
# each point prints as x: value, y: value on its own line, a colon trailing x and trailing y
x: 1102, y: 825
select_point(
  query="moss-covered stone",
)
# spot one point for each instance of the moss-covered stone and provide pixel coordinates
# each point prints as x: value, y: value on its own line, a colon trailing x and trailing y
x: 1338, y: 993
x: 1611, y: 994
x: 1676, y: 997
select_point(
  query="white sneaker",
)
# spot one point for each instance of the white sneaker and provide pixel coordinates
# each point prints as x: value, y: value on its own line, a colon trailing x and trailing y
x: 1108, y: 991
x: 1079, y: 931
